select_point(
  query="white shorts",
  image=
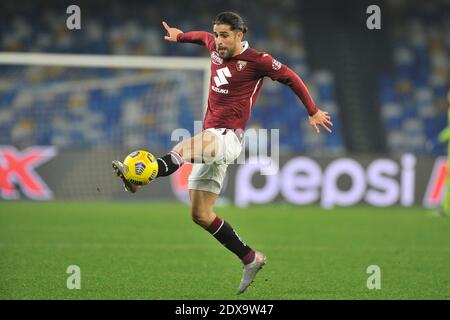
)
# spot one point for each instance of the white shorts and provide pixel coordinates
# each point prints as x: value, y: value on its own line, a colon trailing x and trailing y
x: 209, y: 177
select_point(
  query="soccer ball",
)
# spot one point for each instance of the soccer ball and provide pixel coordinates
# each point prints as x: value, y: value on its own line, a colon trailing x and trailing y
x: 140, y: 167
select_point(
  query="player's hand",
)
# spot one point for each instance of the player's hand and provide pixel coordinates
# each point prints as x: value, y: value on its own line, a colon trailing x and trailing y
x: 172, y: 33
x: 320, y: 118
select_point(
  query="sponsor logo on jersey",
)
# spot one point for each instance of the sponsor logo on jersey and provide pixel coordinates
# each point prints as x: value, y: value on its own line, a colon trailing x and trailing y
x: 222, y: 75
x: 218, y: 90
x: 216, y: 59
x: 240, y: 65
x: 276, y: 65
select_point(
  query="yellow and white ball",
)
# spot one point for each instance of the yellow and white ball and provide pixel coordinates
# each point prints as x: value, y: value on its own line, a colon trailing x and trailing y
x: 141, y: 167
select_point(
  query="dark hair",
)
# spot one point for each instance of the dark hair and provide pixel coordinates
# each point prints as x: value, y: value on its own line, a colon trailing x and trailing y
x: 232, y: 19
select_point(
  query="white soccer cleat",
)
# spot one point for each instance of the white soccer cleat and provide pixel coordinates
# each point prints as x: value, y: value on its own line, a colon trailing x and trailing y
x: 119, y: 169
x: 250, y: 271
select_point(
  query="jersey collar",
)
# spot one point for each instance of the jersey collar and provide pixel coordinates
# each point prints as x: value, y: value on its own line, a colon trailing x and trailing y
x: 245, y: 45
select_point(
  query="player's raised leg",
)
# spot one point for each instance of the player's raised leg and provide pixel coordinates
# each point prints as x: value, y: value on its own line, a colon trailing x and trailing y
x: 203, y: 214
x: 202, y: 148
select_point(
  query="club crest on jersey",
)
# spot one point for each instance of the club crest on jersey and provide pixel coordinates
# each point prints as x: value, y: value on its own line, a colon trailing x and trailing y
x: 276, y: 65
x: 240, y: 65
x: 216, y: 59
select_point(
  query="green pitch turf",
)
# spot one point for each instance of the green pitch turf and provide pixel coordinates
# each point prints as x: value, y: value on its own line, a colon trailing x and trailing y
x: 154, y: 251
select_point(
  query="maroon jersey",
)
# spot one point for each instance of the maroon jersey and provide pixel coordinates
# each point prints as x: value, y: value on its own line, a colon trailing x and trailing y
x: 236, y: 82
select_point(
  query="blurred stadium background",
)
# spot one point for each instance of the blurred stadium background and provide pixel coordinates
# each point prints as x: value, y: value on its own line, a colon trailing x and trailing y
x: 61, y: 126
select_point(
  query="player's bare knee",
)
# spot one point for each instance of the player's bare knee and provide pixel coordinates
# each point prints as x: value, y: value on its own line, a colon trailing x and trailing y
x: 201, y: 217
x: 201, y: 220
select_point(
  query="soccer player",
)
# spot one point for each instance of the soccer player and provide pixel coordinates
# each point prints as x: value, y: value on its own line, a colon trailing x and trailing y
x: 237, y: 73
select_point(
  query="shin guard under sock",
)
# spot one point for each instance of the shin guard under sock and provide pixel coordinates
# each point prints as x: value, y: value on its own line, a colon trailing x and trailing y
x: 224, y: 233
x: 169, y: 163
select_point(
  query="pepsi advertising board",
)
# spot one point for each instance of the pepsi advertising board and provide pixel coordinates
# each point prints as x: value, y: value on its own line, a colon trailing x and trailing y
x: 44, y: 173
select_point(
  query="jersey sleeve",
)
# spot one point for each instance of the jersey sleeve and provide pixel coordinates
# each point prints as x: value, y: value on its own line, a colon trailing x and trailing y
x: 198, y: 37
x: 272, y: 68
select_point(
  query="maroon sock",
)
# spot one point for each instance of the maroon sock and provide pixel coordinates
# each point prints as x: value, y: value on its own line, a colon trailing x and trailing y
x: 224, y: 233
x: 249, y: 257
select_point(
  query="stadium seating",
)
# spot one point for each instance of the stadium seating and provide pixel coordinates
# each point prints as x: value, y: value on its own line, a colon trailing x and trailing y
x: 93, y: 118
x: 414, y: 96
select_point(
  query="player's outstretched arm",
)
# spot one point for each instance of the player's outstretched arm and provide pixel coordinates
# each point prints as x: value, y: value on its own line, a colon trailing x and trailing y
x: 320, y: 118
x: 198, y: 37
x: 282, y: 73
x: 172, y: 33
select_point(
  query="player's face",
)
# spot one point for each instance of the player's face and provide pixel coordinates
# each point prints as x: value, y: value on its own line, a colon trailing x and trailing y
x: 227, y: 41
